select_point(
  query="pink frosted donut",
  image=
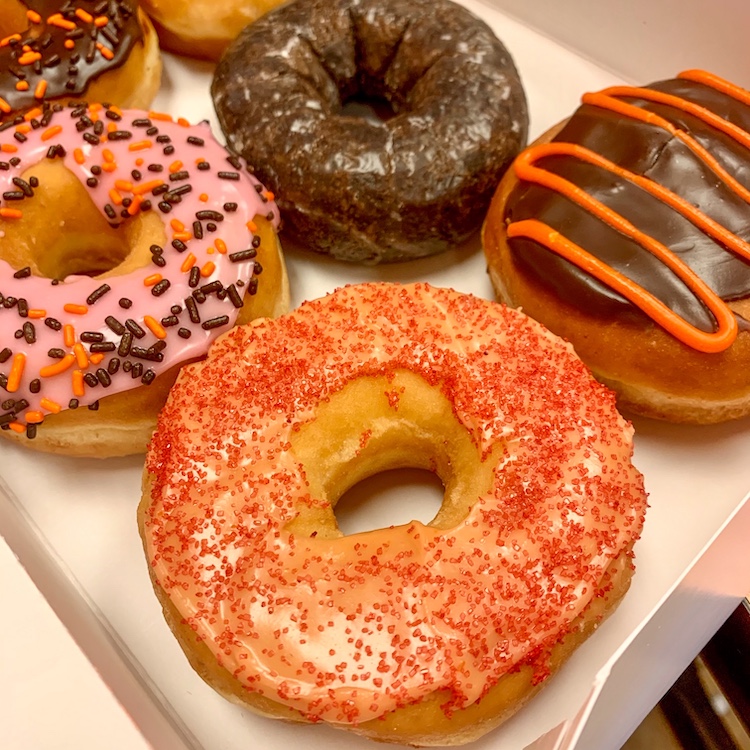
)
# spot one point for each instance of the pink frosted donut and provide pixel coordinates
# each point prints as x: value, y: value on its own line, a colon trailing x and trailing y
x: 422, y: 634
x: 128, y: 242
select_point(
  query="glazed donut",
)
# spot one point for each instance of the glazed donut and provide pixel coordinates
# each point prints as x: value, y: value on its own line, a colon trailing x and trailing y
x: 419, y: 634
x: 203, y: 28
x: 360, y: 188
x: 625, y: 231
x: 128, y: 242
x: 54, y: 51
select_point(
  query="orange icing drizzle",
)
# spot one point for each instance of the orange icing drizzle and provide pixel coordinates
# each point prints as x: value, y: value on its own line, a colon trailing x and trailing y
x: 526, y: 169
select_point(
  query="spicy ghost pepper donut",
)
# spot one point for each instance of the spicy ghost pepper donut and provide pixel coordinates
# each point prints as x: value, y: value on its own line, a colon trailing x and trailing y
x: 421, y: 634
x: 128, y: 242
x: 54, y: 51
x: 360, y: 188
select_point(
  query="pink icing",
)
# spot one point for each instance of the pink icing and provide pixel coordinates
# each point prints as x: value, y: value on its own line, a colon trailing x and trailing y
x: 26, y: 337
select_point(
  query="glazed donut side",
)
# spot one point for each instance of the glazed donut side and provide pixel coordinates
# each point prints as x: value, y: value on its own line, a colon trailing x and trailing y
x: 688, y: 361
x: 362, y: 189
x: 127, y: 249
x: 404, y: 635
x: 50, y: 51
x: 203, y: 28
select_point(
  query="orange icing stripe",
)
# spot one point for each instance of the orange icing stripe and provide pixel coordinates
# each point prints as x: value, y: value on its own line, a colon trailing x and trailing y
x: 718, y: 83
x: 701, y: 340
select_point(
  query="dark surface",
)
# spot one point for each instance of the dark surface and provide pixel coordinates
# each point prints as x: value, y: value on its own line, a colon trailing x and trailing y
x: 366, y: 189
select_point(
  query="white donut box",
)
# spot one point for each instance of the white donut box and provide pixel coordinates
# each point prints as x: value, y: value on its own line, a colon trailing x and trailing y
x: 111, y: 675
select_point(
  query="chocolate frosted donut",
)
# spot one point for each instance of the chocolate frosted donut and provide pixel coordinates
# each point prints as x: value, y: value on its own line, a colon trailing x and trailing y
x: 360, y: 188
x: 625, y: 230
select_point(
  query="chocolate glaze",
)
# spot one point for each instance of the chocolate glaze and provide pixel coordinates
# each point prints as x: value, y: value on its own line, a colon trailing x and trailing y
x: 651, y: 151
x: 363, y: 189
x: 67, y: 71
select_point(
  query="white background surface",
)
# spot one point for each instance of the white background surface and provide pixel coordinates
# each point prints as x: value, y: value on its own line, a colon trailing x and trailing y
x: 85, y: 510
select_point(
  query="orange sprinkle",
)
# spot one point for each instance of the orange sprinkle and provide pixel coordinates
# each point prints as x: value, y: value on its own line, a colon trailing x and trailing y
x: 24, y: 128
x: 175, y: 166
x: 208, y: 269
x: 139, y: 161
x: 36, y: 314
x: 32, y: 114
x: 69, y: 334
x: 79, y: 156
x: 184, y: 236
x: 16, y: 373
x: 124, y: 185
x: 177, y: 225
x: 188, y: 263
x: 82, y: 359
x: 84, y: 15
x: 96, y: 358
x: 115, y: 197
x: 29, y: 58
x: 109, y: 166
x: 203, y: 197
x: 34, y: 417
x: 111, y: 127
x: 50, y: 405
x: 269, y: 195
x: 56, y: 368
x: 182, y: 121
x: 22, y: 86
x: 146, y: 187
x: 252, y: 226
x: 154, y: 326
x: 134, y: 207
x: 41, y: 90
x: 51, y: 132
x: 101, y: 21
x: 160, y: 116
x: 107, y: 155
x: 140, y: 145
x: 11, y: 213
x: 79, y: 388
x: 57, y: 19
x: 106, y: 52
x: 200, y: 160
x: 75, y: 309
x: 4, y: 106
x: 210, y: 249
x: 17, y: 427
x: 33, y: 16
x: 221, y: 246
x: 5, y: 41
x: 154, y: 278
x: 69, y: 44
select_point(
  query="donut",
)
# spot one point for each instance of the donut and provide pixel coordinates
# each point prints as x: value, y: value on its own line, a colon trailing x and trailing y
x: 425, y: 633
x: 624, y: 230
x: 54, y: 51
x: 362, y: 188
x: 202, y: 28
x: 128, y: 242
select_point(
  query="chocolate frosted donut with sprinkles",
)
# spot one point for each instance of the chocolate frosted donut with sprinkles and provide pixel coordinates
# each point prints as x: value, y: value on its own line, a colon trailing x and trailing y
x: 103, y: 50
x: 128, y: 242
x: 363, y: 188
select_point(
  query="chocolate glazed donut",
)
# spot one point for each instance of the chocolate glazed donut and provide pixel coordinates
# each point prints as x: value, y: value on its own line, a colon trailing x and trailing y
x: 626, y: 231
x: 359, y: 188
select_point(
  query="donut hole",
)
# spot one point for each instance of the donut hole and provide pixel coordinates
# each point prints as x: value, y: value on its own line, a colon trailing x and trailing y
x: 378, y: 501
x: 374, y: 109
x: 62, y: 232
x: 377, y: 424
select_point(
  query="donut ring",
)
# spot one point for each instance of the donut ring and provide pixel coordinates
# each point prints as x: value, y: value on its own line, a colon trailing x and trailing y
x: 127, y: 246
x: 624, y: 230
x: 396, y: 633
x: 358, y: 189
x: 52, y: 51
x: 203, y: 28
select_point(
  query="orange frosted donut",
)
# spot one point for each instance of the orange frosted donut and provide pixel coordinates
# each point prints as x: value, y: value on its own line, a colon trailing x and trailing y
x: 55, y: 51
x: 422, y: 634
x: 128, y: 242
